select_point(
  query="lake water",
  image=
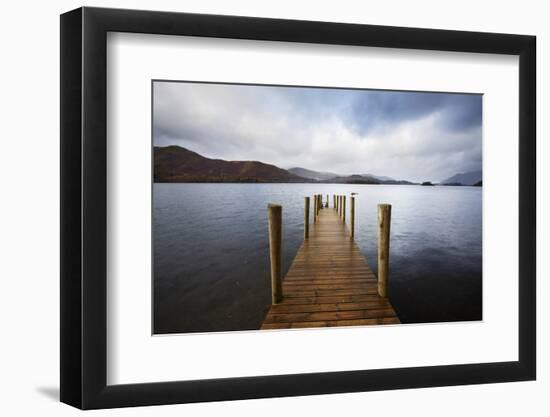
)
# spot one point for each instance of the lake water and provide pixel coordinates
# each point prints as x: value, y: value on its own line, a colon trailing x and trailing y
x: 211, y: 259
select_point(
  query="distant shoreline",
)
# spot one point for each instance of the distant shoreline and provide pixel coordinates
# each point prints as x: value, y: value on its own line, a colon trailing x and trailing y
x: 308, y: 182
x: 174, y: 164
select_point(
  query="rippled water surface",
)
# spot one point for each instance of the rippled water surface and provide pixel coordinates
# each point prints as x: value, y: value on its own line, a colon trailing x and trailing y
x: 211, y: 260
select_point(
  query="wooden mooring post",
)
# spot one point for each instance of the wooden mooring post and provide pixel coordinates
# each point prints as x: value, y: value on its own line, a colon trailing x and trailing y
x: 314, y: 208
x: 316, y: 205
x: 344, y: 208
x: 352, y: 217
x: 306, y: 217
x: 275, y: 217
x: 384, y: 220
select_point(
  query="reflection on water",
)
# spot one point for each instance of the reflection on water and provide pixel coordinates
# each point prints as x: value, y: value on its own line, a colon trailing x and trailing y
x: 211, y: 260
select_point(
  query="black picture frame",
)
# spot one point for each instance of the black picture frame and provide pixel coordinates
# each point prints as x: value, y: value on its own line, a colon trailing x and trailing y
x: 84, y: 207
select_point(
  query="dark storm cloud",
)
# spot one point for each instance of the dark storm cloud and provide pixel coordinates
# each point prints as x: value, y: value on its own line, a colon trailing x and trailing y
x: 380, y: 109
x: 409, y: 135
x: 463, y: 111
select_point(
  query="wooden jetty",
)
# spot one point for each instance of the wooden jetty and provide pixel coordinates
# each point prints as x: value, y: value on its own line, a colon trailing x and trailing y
x: 329, y: 282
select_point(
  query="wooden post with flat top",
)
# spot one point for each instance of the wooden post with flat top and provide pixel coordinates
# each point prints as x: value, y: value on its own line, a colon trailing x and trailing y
x: 275, y: 216
x: 317, y: 199
x: 314, y: 208
x: 384, y: 220
x: 352, y: 217
x: 306, y: 217
x: 344, y: 208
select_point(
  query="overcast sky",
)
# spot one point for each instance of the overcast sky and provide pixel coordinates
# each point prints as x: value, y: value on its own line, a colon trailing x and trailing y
x: 404, y: 135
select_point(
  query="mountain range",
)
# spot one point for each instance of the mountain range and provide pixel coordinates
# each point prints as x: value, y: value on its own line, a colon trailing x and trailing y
x: 178, y: 164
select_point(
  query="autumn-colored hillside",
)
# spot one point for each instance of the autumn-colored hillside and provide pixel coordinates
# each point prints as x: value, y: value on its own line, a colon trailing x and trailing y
x: 177, y: 164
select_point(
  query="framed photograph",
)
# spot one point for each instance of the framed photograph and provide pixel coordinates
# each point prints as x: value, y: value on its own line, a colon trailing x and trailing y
x: 257, y: 208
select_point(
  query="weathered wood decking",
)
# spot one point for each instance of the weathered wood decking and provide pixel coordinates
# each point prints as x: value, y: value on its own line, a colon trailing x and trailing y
x: 329, y: 283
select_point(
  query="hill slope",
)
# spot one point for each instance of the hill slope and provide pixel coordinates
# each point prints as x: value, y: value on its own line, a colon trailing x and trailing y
x: 177, y: 164
x: 314, y: 175
x: 379, y: 177
x: 356, y: 179
x: 466, y: 178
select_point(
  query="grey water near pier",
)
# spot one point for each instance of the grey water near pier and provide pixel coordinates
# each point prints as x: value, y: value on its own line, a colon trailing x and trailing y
x: 211, y: 255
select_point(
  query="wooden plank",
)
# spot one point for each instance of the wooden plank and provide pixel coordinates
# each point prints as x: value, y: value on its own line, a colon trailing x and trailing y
x: 325, y: 284
x: 328, y: 315
x: 326, y: 293
x: 316, y: 286
x: 303, y: 308
x: 331, y: 299
x: 338, y: 323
